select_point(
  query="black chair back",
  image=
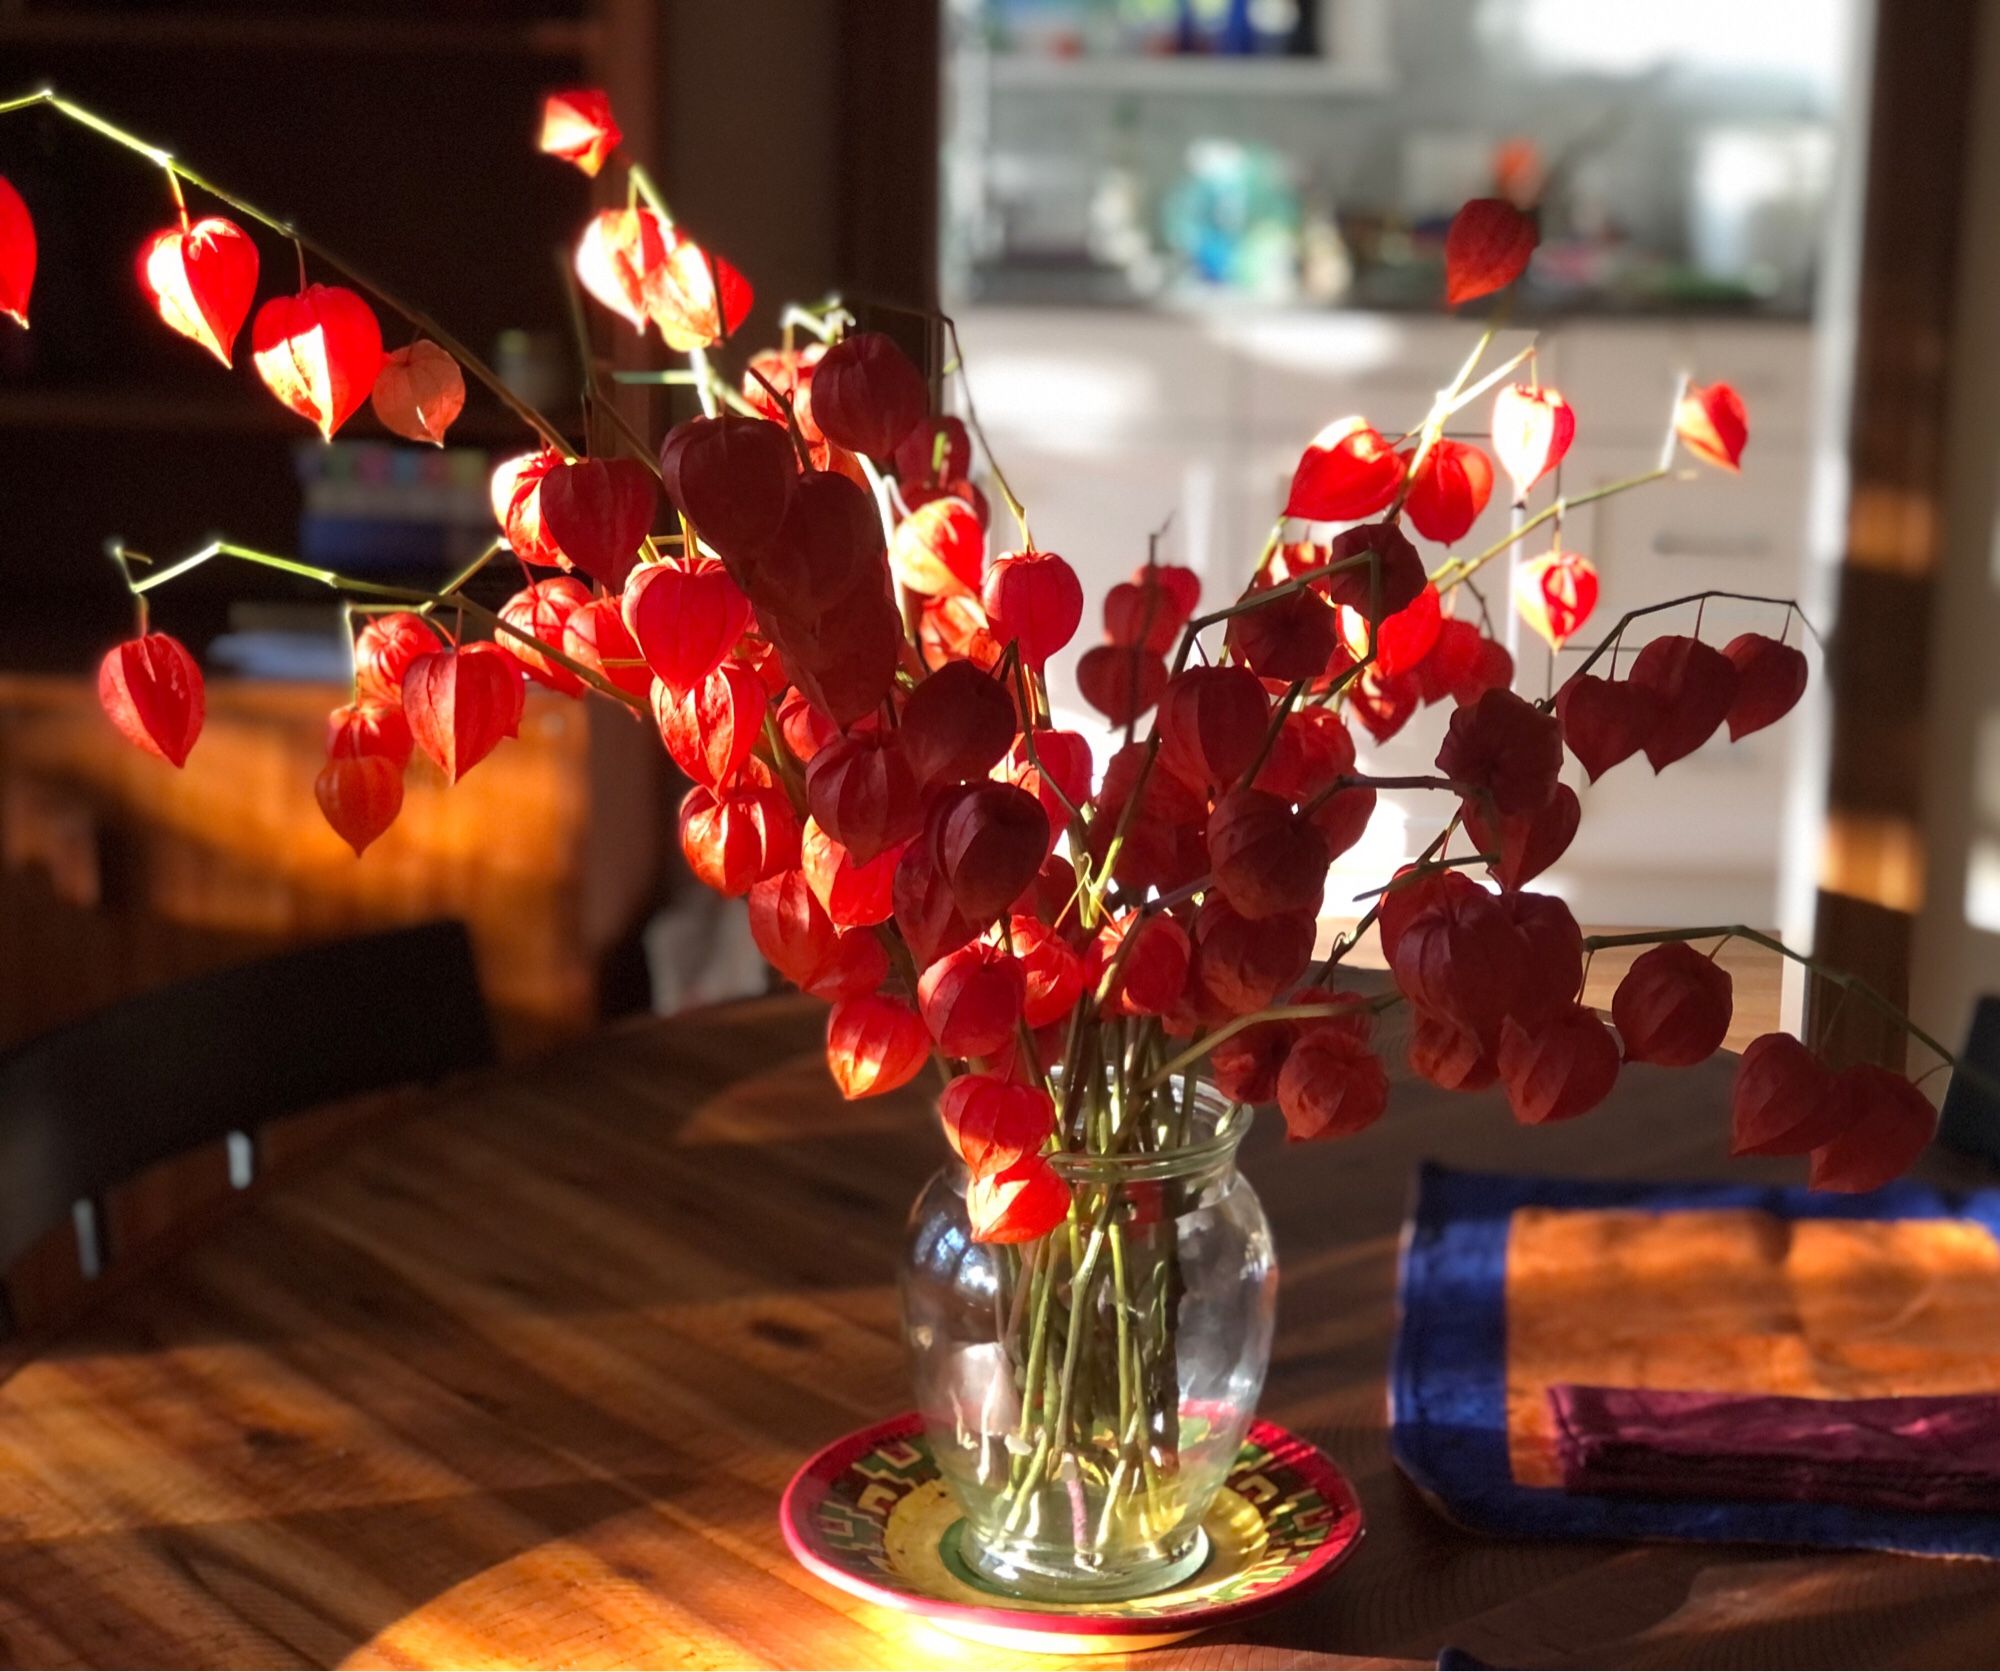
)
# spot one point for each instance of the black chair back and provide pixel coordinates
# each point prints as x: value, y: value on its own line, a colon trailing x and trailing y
x: 1971, y: 1118
x: 88, y: 1106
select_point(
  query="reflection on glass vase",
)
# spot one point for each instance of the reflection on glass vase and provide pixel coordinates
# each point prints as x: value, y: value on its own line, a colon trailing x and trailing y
x: 1086, y: 1393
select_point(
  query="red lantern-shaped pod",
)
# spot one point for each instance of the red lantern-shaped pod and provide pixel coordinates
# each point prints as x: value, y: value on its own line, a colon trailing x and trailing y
x: 1212, y: 724
x: 152, y: 690
x: 1332, y: 1086
x: 1770, y: 679
x: 542, y: 610
x: 419, y: 392
x: 732, y: 477
x: 1695, y: 685
x: 318, y: 352
x: 1033, y: 599
x: 1292, y: 636
x: 1450, y: 489
x: 1532, y: 430
x: 868, y: 394
x: 515, y: 491
x: 383, y: 651
x: 1121, y: 681
x: 1506, y: 748
x: 1486, y: 249
x: 790, y: 926
x: 1268, y: 858
x: 1605, y: 721
x: 360, y: 797
x: 578, y: 127
x: 1526, y: 844
x: 737, y: 837
x: 1888, y: 1124
x: 854, y: 894
x: 17, y: 254
x: 1673, y: 1006
x: 1712, y: 422
x: 1555, y: 594
x: 939, y: 548
x: 1374, y: 571
x: 1348, y: 472
x: 926, y: 912
x: 873, y: 1045
x: 1559, y: 1067
x: 1783, y: 1100
x: 991, y: 1124
x: 1050, y: 969
x: 1245, y: 963
x: 711, y: 730
x: 685, y: 617
x: 202, y: 279
x: 461, y: 703
x: 595, y: 637
x: 1019, y: 1204
x: 989, y: 840
x: 1152, y: 607
x: 596, y: 512
x: 1147, y: 979
x: 369, y: 728
x: 862, y: 793
x: 956, y: 725
x: 972, y: 999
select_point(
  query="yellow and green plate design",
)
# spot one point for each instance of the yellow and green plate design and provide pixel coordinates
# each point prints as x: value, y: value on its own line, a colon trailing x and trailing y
x: 872, y: 1515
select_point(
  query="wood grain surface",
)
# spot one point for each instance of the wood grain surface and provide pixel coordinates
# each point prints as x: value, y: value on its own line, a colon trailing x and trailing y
x: 517, y: 1379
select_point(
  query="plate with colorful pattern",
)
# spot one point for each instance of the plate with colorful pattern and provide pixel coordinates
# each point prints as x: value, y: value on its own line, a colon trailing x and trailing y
x: 872, y: 1515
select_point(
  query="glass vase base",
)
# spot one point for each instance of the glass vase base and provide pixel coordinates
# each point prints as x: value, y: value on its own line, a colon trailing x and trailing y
x: 1034, y: 1577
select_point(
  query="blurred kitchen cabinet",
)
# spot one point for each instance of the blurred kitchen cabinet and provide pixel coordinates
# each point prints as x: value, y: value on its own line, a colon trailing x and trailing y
x: 119, y: 873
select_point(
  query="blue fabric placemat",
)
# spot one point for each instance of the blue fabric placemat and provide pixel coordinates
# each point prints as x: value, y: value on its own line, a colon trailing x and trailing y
x: 1448, y: 1379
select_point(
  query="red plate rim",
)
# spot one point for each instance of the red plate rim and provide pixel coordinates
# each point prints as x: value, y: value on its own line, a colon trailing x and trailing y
x: 818, y: 1474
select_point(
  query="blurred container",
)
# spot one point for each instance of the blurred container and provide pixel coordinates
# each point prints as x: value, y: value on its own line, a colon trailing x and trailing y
x: 1754, y: 204
x: 372, y: 507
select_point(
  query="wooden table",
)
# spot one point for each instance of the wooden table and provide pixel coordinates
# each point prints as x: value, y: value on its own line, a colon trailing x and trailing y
x: 520, y: 1379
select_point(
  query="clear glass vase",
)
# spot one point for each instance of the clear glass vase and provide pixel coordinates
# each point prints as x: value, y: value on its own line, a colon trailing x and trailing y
x: 1085, y: 1394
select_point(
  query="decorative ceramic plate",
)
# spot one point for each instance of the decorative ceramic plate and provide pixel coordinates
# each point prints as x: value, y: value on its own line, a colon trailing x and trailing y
x: 872, y: 1515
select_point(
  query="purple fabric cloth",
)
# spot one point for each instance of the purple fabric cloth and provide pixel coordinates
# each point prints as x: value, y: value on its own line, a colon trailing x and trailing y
x: 1928, y: 1453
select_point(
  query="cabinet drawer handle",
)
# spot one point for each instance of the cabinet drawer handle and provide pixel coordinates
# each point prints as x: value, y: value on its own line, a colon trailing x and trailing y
x: 1669, y: 544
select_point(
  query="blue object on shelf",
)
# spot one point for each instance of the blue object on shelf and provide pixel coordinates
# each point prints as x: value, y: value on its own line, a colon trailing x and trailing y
x: 371, y: 507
